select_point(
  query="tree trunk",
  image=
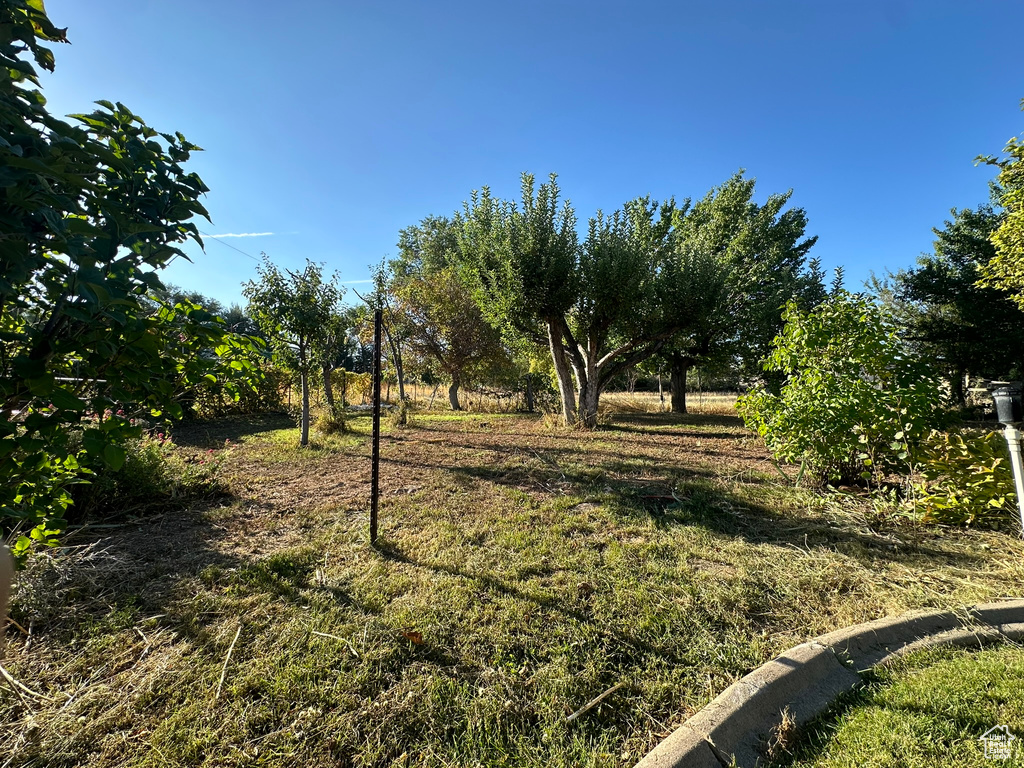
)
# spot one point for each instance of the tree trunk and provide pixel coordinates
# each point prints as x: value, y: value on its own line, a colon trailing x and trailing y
x: 344, y: 388
x: 304, y: 383
x: 529, y: 392
x: 679, y: 366
x: 565, y: 387
x: 328, y: 388
x: 589, y: 398
x: 957, y: 386
x: 661, y: 392
x: 589, y: 390
x: 453, y: 395
x: 396, y: 358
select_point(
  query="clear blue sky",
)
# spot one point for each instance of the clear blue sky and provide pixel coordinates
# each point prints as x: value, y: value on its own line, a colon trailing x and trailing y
x: 333, y: 125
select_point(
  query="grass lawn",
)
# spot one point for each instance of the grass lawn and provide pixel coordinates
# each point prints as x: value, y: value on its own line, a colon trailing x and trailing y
x: 522, y: 572
x: 925, y: 711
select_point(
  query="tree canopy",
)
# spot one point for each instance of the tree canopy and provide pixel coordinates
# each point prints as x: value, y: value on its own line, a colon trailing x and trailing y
x: 760, y: 250
x: 1006, y: 269
x: 647, y: 278
x: 602, y: 305
x: 446, y: 328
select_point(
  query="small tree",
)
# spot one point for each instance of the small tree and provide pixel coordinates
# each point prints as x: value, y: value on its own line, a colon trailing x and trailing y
x: 854, y: 404
x: 445, y: 326
x: 296, y: 311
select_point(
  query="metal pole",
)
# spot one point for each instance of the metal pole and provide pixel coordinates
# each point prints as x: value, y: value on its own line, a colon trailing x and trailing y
x: 1012, y: 435
x: 375, y: 451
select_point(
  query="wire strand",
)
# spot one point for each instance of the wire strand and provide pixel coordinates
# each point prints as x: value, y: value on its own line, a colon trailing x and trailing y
x: 228, y: 245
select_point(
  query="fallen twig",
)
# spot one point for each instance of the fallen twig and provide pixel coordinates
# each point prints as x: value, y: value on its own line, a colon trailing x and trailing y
x: 227, y: 659
x: 19, y: 688
x: 17, y: 626
x: 335, y: 637
x: 593, y: 702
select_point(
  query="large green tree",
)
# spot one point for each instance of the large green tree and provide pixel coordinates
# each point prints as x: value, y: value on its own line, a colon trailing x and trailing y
x: 761, y: 250
x: 965, y: 328
x: 601, y: 305
x: 299, y: 313
x: 89, y: 212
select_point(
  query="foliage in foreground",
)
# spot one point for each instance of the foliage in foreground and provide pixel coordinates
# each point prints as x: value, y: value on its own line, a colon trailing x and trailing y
x: 967, y: 479
x: 854, y: 404
x: 90, y: 213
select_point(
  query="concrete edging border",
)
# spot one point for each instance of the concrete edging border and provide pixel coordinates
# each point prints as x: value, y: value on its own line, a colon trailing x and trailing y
x: 807, y: 678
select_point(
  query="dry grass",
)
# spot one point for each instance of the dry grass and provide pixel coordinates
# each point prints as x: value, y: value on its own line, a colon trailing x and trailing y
x: 702, y: 403
x: 523, y: 571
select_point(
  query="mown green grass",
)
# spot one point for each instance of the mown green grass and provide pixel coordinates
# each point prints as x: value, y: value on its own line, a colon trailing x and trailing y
x: 538, y: 568
x: 928, y: 710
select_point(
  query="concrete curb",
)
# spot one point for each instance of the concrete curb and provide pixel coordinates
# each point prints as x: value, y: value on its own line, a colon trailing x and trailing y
x: 806, y: 679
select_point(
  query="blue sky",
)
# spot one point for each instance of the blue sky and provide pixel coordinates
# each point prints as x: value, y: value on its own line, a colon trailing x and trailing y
x: 333, y: 125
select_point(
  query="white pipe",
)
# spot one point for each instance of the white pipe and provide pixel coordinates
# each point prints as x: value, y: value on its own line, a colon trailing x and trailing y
x: 1012, y: 435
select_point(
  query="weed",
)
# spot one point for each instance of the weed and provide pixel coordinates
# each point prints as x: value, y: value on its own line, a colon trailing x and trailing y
x: 155, y: 472
x: 331, y: 420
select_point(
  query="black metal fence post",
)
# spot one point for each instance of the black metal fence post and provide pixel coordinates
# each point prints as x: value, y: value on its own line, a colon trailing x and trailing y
x: 375, y: 452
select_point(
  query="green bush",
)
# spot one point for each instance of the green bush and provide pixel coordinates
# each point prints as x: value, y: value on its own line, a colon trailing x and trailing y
x: 967, y: 479
x: 854, y: 405
x: 263, y: 395
x: 401, y: 415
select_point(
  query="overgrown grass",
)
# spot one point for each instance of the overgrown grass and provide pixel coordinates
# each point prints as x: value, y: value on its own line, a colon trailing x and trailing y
x: 521, y: 572
x: 928, y: 710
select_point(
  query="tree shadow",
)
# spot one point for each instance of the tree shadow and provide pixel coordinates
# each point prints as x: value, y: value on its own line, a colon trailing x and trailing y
x: 637, y: 422
x: 213, y: 433
x: 490, y: 582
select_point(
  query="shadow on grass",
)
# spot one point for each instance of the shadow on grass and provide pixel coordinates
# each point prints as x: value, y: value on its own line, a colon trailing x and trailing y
x: 654, y: 422
x: 646, y: 486
x: 136, y: 569
x: 213, y: 433
x: 690, y: 496
x: 486, y: 580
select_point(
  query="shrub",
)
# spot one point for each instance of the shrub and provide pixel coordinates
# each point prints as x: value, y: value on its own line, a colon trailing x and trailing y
x: 331, y: 420
x: 967, y: 479
x: 401, y: 415
x: 263, y: 395
x: 854, y: 404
